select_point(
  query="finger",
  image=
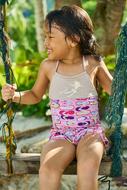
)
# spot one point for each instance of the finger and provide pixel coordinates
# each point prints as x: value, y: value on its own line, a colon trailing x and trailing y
x: 6, y: 98
x: 10, y: 86
x: 6, y: 87
x: 11, y: 91
x: 9, y: 95
x: 8, y: 90
x: 14, y: 86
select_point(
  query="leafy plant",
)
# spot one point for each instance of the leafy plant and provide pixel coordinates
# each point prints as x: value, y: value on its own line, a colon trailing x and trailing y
x: 89, y: 6
x: 24, y: 54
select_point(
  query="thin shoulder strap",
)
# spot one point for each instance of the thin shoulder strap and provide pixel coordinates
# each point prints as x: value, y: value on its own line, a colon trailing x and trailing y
x: 85, y: 63
x: 57, y: 64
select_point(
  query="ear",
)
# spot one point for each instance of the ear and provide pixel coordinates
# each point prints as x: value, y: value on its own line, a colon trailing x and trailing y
x: 77, y: 39
x: 73, y: 42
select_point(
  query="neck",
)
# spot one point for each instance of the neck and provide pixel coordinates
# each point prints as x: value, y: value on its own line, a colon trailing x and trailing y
x: 73, y: 57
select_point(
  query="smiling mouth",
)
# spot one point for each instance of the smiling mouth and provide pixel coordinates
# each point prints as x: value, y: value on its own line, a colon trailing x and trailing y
x: 49, y: 51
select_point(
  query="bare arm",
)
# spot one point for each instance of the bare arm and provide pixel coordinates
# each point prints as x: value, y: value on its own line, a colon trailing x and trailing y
x: 104, y: 77
x: 34, y: 95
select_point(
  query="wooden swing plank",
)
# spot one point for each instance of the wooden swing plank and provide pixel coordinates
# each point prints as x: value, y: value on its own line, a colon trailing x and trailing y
x: 28, y: 163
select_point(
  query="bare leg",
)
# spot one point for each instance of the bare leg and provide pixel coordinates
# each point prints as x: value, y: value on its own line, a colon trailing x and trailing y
x: 56, y: 156
x: 89, y: 154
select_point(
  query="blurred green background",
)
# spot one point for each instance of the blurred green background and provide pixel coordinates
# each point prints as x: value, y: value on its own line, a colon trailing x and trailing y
x: 26, y: 53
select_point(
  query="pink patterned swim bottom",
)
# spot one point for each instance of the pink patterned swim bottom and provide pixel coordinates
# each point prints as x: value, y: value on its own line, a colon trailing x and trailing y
x: 74, y: 118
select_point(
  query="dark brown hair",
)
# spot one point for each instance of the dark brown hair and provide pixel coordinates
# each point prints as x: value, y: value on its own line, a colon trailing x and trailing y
x: 75, y: 23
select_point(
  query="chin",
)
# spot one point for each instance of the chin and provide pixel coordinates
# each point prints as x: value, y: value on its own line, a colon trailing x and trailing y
x: 51, y: 57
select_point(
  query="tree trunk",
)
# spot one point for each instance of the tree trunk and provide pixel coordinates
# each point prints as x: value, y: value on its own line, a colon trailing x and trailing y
x: 60, y: 3
x: 107, y: 20
x: 39, y: 21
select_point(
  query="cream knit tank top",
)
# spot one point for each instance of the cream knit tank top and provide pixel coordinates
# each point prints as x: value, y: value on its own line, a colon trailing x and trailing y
x: 70, y: 87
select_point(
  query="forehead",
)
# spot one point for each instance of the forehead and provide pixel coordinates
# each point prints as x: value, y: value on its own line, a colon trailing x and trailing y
x: 55, y: 29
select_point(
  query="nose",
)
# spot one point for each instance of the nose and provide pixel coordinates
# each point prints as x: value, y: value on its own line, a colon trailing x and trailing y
x: 46, y: 43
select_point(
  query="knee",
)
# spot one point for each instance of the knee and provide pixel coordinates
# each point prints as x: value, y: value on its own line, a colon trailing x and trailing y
x: 45, y: 167
x: 49, y: 168
x: 90, y: 156
x: 89, y: 165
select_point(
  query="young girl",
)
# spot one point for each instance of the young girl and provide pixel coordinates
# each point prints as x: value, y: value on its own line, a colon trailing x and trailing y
x: 71, y: 72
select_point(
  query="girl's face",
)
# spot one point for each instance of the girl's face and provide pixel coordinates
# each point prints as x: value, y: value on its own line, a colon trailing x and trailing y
x: 56, y: 44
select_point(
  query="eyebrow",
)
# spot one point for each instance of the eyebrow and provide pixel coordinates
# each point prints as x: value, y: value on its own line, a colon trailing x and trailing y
x: 57, y: 27
x: 49, y: 33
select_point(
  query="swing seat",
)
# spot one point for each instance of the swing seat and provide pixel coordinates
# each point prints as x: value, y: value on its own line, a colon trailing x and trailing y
x: 28, y: 163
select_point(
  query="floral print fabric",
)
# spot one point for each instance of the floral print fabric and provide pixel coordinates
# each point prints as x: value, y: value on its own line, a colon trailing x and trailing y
x: 73, y: 118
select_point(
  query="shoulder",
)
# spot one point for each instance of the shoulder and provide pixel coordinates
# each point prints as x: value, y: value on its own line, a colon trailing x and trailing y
x: 48, y: 67
x: 97, y: 64
x: 102, y: 66
x: 93, y: 64
x: 95, y: 61
x: 48, y: 64
x: 101, y: 73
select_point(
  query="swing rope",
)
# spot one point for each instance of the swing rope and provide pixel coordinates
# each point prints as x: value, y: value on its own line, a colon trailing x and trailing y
x: 115, y: 106
x: 114, y: 109
x: 7, y: 130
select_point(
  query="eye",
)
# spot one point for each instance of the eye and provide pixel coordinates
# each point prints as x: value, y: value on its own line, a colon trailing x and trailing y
x: 51, y: 37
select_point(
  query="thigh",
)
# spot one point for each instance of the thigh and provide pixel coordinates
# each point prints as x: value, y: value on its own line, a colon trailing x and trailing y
x: 57, y: 154
x: 90, y: 150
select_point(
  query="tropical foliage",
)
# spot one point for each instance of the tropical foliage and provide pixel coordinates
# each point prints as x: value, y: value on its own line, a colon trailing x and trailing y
x: 24, y: 53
